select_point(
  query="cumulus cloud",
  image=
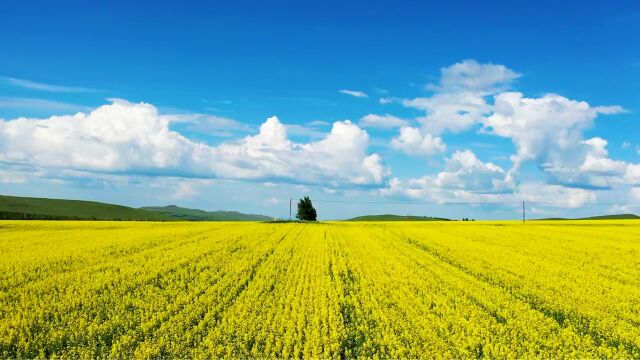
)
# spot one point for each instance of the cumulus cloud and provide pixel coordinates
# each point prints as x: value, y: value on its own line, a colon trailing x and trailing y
x: 454, y: 112
x: 468, y: 179
x: 134, y: 139
x: 465, y: 171
x: 463, y: 176
x: 354, y: 93
x: 597, y: 161
x: 382, y: 121
x: 632, y: 174
x: 412, y: 141
x: 549, y: 131
x: 459, y: 101
x: 541, y: 128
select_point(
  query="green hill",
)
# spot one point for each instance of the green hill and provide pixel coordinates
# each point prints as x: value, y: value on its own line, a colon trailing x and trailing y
x: 179, y: 213
x: 603, y: 217
x: 390, y: 217
x: 613, y: 217
x: 13, y: 207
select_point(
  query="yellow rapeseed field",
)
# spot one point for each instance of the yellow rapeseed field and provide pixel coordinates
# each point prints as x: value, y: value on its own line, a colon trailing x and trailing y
x: 326, y: 290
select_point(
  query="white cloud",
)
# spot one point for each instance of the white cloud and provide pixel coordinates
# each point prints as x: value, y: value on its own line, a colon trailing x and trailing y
x: 549, y: 131
x: 632, y: 174
x: 546, y: 130
x: 318, y: 123
x: 185, y: 190
x: 131, y: 138
x: 540, y: 194
x: 602, y: 165
x: 471, y: 76
x: 555, y: 195
x: 39, y: 104
x: 622, y: 209
x: 355, y: 93
x: 541, y: 128
x: 167, y: 187
x: 28, y: 84
x: 635, y: 193
x: 382, y: 121
x: 465, y: 171
x: 389, y: 100
x: 610, y: 110
x: 453, y: 112
x: 412, y: 141
x: 8, y: 176
x: 459, y: 101
x: 274, y: 201
x: 468, y: 179
x: 465, y: 178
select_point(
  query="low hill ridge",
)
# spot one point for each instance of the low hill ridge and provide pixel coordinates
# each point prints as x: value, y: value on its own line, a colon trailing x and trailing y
x: 602, y: 217
x: 33, y: 208
x: 180, y: 213
x: 15, y: 207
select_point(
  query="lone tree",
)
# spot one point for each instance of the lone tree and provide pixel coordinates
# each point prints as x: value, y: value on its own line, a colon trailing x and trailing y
x: 306, y: 211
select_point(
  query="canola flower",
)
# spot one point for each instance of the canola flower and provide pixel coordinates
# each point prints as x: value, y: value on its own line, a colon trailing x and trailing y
x: 328, y: 290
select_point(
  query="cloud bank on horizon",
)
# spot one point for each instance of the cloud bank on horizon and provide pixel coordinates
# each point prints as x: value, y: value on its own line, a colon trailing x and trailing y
x: 470, y: 99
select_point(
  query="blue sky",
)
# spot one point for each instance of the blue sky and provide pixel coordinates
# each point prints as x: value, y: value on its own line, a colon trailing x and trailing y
x: 455, y: 102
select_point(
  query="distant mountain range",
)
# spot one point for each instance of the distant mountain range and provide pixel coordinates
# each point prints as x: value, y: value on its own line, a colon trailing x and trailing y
x: 180, y: 213
x: 390, y: 217
x: 13, y: 207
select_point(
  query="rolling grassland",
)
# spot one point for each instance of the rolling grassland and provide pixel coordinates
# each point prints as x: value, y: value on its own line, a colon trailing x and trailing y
x: 556, y: 289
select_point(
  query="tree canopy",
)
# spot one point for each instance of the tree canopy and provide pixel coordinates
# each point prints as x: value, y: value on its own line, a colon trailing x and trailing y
x: 306, y: 211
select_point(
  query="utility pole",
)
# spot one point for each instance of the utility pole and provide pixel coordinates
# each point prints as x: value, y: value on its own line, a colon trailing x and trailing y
x: 524, y: 216
x: 290, y: 208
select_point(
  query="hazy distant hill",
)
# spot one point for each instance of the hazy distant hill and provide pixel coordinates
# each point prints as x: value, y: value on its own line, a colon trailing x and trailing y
x: 390, y: 217
x: 13, y: 207
x: 603, y: 217
x: 180, y: 213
